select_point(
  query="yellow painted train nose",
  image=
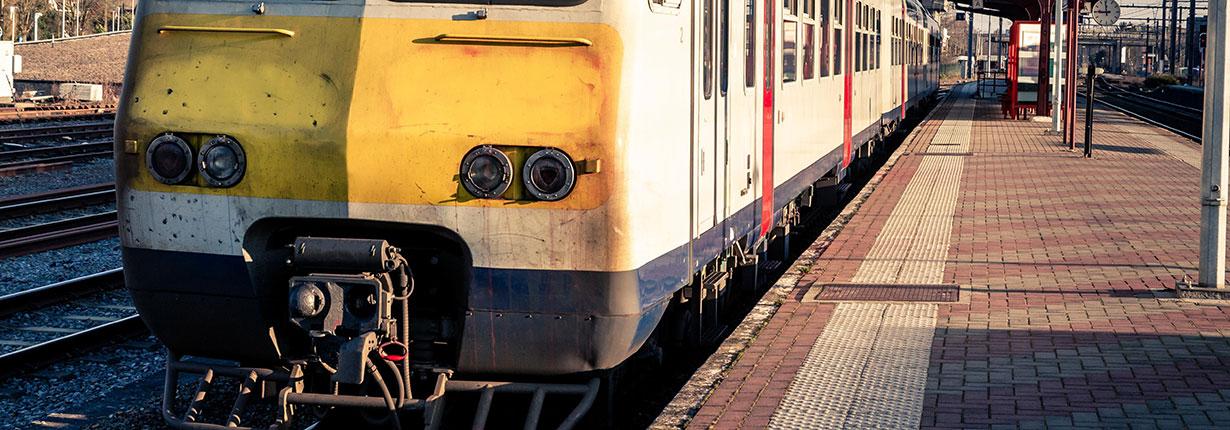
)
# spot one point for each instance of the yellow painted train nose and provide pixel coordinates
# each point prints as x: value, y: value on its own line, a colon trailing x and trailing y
x: 319, y: 101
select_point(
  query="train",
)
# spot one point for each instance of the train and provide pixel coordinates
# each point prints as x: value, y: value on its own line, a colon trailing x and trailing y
x: 371, y: 204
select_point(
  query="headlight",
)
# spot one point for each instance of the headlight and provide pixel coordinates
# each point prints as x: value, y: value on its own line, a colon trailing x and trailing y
x: 169, y: 159
x: 548, y: 174
x: 486, y: 172
x: 221, y: 162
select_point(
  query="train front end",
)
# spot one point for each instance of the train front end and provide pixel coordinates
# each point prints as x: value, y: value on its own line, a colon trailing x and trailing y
x: 340, y: 195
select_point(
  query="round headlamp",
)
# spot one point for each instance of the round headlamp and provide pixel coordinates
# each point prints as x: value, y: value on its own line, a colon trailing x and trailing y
x: 548, y: 174
x: 486, y: 172
x: 221, y: 162
x: 169, y: 159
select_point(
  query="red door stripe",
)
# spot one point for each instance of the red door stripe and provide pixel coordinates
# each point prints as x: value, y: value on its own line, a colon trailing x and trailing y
x: 770, y: 82
x: 848, y: 99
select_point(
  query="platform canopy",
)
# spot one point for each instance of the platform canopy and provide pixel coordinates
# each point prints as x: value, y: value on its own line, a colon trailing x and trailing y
x: 1017, y: 10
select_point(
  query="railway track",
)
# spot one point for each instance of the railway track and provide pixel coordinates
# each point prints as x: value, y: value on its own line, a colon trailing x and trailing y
x: 54, y: 112
x: 57, y: 234
x: 57, y: 131
x: 60, y: 233
x: 1180, y: 119
x: 51, y: 201
x: 25, y: 159
x: 76, y: 324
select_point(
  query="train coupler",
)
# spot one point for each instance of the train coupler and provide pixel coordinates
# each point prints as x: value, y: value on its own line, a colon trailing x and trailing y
x: 262, y: 383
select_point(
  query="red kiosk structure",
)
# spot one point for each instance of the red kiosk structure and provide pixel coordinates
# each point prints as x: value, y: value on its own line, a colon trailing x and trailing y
x: 1024, y: 60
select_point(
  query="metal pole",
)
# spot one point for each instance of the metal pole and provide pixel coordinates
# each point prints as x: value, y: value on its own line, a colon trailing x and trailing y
x: 1174, y: 36
x: 987, y: 53
x: 13, y: 23
x: 1191, y: 41
x: 1213, y: 172
x: 1073, y: 49
x: 1161, y: 39
x: 1057, y: 92
x: 1089, y: 110
x: 999, y: 46
x: 969, y: 45
x: 37, y: 15
x: 1148, y: 46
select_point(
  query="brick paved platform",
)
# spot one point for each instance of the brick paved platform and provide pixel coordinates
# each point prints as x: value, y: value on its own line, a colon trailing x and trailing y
x: 1066, y: 316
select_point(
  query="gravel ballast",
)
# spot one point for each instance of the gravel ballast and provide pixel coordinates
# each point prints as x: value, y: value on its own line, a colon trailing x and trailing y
x: 43, y: 268
x: 83, y: 173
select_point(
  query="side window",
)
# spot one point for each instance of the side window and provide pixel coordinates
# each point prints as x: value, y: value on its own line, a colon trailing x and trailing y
x: 857, y: 36
x: 809, y: 37
x: 749, y: 44
x: 878, y: 40
x: 824, y: 18
x: 897, y: 41
x: 790, y: 41
x: 839, y: 42
x: 707, y: 47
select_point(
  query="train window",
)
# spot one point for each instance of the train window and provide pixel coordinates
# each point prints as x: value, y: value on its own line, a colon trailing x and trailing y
x: 897, y: 42
x: 878, y: 39
x: 707, y: 48
x: 724, y: 41
x: 807, y: 23
x: 869, y: 46
x: 790, y: 40
x: 839, y: 43
x: 809, y: 51
x: 856, y: 33
x: 749, y: 44
x: 837, y: 49
x: 858, y: 52
x: 824, y: 38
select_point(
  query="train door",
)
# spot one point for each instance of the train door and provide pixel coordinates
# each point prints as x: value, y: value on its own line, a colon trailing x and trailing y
x: 709, y: 116
x: 739, y: 88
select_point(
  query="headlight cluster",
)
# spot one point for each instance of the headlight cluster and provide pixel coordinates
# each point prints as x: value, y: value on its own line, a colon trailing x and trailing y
x: 486, y: 172
x: 221, y: 160
x: 547, y: 174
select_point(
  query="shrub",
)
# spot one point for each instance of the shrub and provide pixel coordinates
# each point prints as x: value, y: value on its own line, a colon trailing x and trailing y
x: 1160, y: 79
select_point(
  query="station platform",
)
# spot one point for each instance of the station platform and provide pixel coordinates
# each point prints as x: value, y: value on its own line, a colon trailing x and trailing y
x: 988, y: 277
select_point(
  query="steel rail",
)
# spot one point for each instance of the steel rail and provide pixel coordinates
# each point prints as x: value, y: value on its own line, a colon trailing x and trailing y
x: 96, y: 128
x: 44, y: 353
x: 60, y: 292
x: 51, y: 151
x: 65, y: 346
x: 50, y: 201
x: 1134, y: 114
x: 57, y: 234
x: 1118, y: 91
x: 57, y: 159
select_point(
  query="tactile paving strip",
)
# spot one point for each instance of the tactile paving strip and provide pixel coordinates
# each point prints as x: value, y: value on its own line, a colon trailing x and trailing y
x: 884, y: 292
x: 864, y: 371
x: 868, y: 369
x: 914, y: 242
